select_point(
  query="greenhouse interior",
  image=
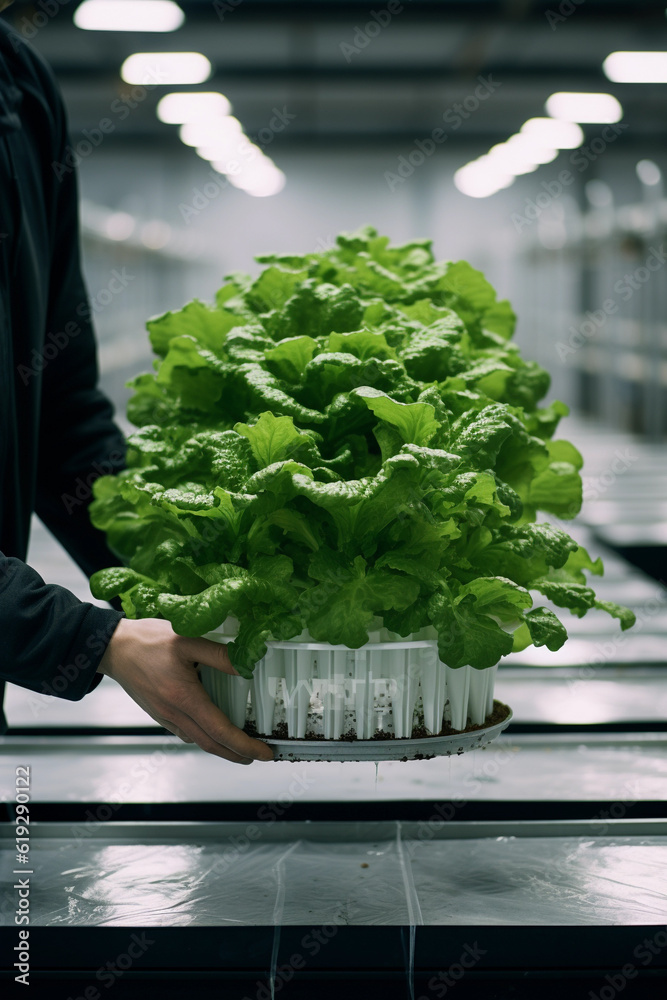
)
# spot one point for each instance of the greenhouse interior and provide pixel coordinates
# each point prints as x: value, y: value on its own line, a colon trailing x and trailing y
x: 333, y: 431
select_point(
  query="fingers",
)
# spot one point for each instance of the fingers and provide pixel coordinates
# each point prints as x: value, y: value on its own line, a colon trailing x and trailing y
x: 213, y: 654
x: 206, y: 716
x: 174, y: 729
x: 196, y: 735
x: 215, y: 725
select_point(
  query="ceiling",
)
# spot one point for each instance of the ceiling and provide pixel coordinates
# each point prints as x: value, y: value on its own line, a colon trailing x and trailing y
x: 427, y: 58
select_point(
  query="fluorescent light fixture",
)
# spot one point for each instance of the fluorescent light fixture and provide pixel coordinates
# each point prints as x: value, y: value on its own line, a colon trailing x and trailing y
x: 553, y: 133
x: 166, y: 68
x: 261, y: 179
x: 233, y: 160
x: 222, y: 152
x: 184, y: 106
x: 523, y: 168
x: 531, y: 149
x: 648, y: 172
x: 636, y: 67
x: 254, y: 164
x: 213, y: 133
x: 241, y: 157
x: 481, y: 178
x: 510, y: 160
x: 129, y: 15
x: 602, y: 109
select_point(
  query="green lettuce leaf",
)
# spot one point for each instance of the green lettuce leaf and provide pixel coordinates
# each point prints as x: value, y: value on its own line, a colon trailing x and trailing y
x: 348, y: 440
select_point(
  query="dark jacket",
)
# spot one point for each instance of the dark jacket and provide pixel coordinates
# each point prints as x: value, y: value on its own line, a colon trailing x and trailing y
x: 56, y: 428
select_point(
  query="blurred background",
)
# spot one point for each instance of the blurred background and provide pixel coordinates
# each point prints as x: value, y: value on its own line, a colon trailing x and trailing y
x: 364, y: 114
x: 526, y: 137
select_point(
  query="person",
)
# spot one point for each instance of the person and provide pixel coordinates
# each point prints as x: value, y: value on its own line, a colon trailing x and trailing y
x: 57, y: 434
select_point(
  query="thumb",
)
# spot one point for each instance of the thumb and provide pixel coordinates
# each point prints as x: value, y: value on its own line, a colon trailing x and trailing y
x: 212, y: 654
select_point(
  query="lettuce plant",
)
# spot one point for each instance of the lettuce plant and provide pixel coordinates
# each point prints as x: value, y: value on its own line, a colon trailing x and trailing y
x: 348, y: 441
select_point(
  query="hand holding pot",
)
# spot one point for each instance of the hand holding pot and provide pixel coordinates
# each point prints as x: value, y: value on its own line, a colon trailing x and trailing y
x: 157, y: 668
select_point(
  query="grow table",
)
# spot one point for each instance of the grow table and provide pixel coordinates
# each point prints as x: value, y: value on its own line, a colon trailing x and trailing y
x: 456, y: 862
x: 221, y: 901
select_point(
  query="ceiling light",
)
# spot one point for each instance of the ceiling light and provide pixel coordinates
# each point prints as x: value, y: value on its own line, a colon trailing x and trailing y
x: 523, y: 168
x: 129, y: 15
x: 510, y: 159
x: 176, y: 109
x: 531, y: 148
x: 213, y: 133
x: 166, y: 68
x: 254, y: 162
x: 554, y: 133
x: 241, y: 157
x: 267, y: 181
x: 224, y: 152
x: 602, y: 109
x: 481, y: 178
x: 648, y: 172
x: 255, y: 165
x: 636, y: 67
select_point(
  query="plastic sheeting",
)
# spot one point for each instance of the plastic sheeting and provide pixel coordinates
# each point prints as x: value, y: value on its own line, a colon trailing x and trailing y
x: 231, y: 874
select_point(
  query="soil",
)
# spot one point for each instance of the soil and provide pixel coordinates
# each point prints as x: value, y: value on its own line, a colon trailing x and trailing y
x: 499, y: 714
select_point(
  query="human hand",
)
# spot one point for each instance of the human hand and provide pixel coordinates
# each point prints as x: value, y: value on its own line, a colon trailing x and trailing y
x: 157, y: 669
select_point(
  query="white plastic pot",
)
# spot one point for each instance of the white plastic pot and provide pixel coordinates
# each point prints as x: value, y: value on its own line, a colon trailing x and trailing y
x: 391, y: 684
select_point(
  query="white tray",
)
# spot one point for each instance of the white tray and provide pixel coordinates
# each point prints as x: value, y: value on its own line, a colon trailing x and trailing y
x: 392, y: 749
x: 389, y: 684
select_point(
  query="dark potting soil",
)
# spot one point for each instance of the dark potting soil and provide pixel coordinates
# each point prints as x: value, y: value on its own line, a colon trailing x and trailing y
x: 419, y: 732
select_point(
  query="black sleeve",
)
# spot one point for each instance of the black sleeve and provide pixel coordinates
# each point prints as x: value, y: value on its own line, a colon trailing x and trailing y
x: 79, y: 440
x: 51, y: 642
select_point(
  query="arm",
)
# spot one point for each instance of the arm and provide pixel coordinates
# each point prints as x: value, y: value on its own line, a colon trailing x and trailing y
x: 55, y: 644
x: 52, y: 643
x: 157, y: 668
x: 79, y: 440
